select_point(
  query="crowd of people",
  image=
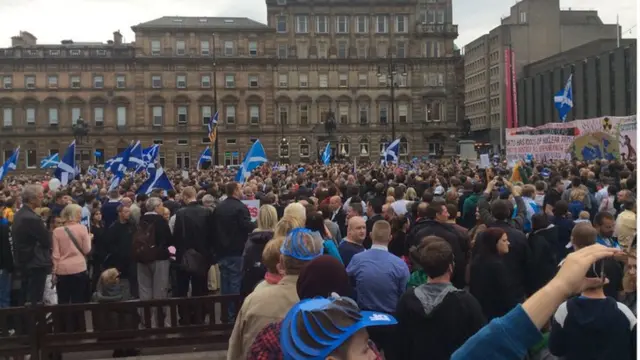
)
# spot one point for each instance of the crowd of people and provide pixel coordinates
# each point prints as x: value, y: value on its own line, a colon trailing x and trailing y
x: 437, y: 260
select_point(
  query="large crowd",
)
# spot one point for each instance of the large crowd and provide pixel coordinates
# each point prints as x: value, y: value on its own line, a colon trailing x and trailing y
x: 430, y: 260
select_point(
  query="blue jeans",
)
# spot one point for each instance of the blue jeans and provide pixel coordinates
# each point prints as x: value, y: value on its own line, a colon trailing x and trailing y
x: 5, y: 289
x: 230, y: 279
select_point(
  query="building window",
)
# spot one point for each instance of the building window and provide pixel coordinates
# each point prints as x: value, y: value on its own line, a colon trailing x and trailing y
x: 403, y: 149
x: 434, y: 111
x: 362, y: 49
x: 403, y: 111
x: 230, y: 114
x: 284, y: 149
x: 180, y: 47
x: 343, y: 80
x: 182, y: 115
x: 76, y: 113
x: 304, y: 114
x: 302, y: 24
x: 30, y: 115
x: 228, y: 48
x: 157, y: 115
x: 283, y: 80
x: 384, y: 114
x: 30, y: 82
x: 345, y: 149
x: 253, y: 48
x: 121, y: 82
x: 75, y: 82
x: 156, y: 81
x: 364, y: 147
x: 523, y: 17
x: 283, y: 51
x: 305, y: 149
x: 382, y: 24
x: 342, y: 24
x: 435, y: 148
x: 7, y: 82
x: 98, y: 82
x: 322, y: 50
x: 322, y: 24
x: 401, y: 23
x: 362, y: 80
x: 364, y: 114
x: 53, y: 116
x: 206, y: 114
x: 440, y: 17
x: 181, y: 81
x: 32, y: 159
x: 344, y: 113
x: 121, y: 116
x: 343, y: 48
x: 7, y: 117
x: 281, y: 21
x: 52, y: 81
x: 182, y: 157
x: 155, y: 47
x: 204, y: 47
x: 254, y: 114
x: 98, y: 116
x: 230, y: 81
x: 283, y: 114
x: 303, y: 80
x: 401, y: 49
x: 383, y: 145
x: 434, y: 79
x: 362, y: 24
x: 205, y: 141
x: 205, y: 81
x: 323, y: 80
x: 253, y: 81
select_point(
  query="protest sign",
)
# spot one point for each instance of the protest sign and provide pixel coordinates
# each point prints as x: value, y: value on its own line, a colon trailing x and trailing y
x: 254, y: 208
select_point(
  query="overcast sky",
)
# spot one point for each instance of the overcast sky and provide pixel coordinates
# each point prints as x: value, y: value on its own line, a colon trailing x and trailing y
x: 95, y: 20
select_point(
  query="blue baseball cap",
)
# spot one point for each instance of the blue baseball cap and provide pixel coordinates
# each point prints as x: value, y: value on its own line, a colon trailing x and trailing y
x: 302, y: 244
x: 311, y: 329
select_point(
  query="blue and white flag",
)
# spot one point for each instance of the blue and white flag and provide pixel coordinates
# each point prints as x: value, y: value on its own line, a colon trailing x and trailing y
x: 254, y: 158
x: 136, y: 158
x: 50, y: 161
x: 10, y: 164
x: 326, y: 154
x: 67, y: 166
x: 158, y: 179
x: 390, y: 154
x: 92, y: 171
x: 150, y: 155
x: 121, y: 169
x: 564, y: 99
x: 204, y: 157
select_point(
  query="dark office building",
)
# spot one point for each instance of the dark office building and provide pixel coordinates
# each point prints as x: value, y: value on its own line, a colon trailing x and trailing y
x: 604, y: 83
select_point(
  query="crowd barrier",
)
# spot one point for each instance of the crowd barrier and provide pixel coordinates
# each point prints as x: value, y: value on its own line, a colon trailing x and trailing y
x: 47, y: 331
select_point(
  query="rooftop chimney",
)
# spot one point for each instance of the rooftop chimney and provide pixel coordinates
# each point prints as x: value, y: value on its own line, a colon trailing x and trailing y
x: 117, y: 38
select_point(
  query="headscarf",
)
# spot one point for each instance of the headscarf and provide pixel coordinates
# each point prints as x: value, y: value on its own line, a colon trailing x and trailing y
x: 321, y: 277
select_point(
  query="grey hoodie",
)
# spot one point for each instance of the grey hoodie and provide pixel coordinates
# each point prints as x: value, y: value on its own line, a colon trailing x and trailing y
x: 432, y: 295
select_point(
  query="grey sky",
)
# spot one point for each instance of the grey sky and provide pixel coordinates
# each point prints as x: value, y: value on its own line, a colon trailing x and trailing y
x: 95, y: 20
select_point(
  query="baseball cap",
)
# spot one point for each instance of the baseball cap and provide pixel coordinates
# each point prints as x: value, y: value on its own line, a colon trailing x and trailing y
x: 302, y: 244
x: 314, y: 328
x: 439, y: 190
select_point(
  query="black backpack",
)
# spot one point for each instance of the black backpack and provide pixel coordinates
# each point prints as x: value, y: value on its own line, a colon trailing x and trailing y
x: 144, y: 243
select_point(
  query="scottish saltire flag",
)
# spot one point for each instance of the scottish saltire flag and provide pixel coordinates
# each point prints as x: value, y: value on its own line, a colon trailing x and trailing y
x: 92, y: 171
x: 390, y: 154
x: 10, y: 164
x: 204, y: 157
x: 213, y: 127
x: 150, y: 155
x: 50, y: 161
x: 254, y: 158
x: 564, y: 99
x: 157, y: 180
x: 113, y: 163
x: 136, y: 159
x: 326, y: 154
x: 121, y: 169
x: 67, y: 166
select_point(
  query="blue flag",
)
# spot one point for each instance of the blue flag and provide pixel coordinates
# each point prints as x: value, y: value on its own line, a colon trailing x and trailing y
x: 157, y: 180
x: 150, y: 155
x: 564, y: 99
x: 204, y: 157
x: 50, y: 161
x: 136, y: 160
x: 254, y: 158
x: 121, y: 169
x: 67, y: 166
x: 390, y: 154
x: 10, y: 164
x: 326, y: 155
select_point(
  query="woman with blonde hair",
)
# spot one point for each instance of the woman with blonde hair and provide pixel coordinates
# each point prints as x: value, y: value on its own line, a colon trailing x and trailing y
x: 411, y: 194
x: 71, y: 245
x: 253, y: 268
x: 286, y: 224
x: 297, y: 211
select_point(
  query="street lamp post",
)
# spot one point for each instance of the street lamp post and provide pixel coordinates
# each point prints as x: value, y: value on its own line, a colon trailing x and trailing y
x: 80, y: 130
x: 391, y: 73
x: 216, y: 149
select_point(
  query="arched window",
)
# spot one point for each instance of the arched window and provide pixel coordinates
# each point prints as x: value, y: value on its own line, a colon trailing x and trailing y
x: 305, y: 148
x: 404, y: 147
x: 364, y: 147
x: 284, y: 148
x: 344, y: 148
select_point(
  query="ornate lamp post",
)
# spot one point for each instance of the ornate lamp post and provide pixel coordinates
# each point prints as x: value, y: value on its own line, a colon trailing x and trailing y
x: 392, y: 71
x: 80, y: 131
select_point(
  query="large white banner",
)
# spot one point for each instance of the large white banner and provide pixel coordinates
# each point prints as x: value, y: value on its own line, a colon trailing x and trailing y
x: 599, y: 138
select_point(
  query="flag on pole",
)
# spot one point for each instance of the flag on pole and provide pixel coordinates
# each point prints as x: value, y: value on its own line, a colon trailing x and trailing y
x: 390, y: 154
x: 157, y: 180
x: 254, y: 158
x: 67, y: 166
x: 10, y: 164
x: 213, y: 127
x: 121, y: 169
x: 564, y: 99
x: 50, y: 161
x: 204, y: 157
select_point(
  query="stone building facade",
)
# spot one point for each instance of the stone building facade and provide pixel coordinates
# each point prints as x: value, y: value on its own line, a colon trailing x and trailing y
x: 278, y: 82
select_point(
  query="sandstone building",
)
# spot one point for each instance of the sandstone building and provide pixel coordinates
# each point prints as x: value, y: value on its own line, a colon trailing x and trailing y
x: 279, y: 82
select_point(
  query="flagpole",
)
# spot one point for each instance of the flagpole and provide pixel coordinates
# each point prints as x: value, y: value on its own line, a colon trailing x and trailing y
x: 617, y: 30
x: 216, y: 160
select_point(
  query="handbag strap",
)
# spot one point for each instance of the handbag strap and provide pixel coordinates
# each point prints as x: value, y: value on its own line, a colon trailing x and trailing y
x: 74, y: 241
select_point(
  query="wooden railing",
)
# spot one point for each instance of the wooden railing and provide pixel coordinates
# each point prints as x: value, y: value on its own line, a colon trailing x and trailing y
x: 42, y: 330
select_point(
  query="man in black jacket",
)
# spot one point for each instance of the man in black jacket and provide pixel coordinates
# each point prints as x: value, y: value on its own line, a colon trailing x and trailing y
x: 32, y: 245
x: 116, y: 250
x: 6, y: 264
x: 232, y: 225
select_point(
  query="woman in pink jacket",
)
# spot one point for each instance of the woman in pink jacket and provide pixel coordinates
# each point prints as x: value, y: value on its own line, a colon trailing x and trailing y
x: 71, y: 245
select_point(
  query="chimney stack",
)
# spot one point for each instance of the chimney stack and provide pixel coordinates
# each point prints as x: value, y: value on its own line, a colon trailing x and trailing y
x: 117, y: 38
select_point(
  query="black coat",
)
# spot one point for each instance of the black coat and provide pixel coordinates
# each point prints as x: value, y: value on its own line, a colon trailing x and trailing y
x: 115, y: 251
x: 6, y: 256
x: 518, y: 260
x: 489, y: 283
x: 193, y: 231
x: 341, y: 219
x: 253, y: 269
x: 31, y: 240
x: 231, y: 226
x: 544, y: 263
